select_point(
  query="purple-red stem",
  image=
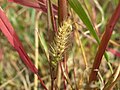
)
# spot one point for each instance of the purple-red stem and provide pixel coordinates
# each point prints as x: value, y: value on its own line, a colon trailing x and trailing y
x: 103, y: 44
x: 62, y: 11
x: 54, y: 26
x: 62, y: 15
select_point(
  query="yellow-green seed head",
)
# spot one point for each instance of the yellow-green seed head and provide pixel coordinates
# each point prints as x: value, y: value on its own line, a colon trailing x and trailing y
x: 59, y: 43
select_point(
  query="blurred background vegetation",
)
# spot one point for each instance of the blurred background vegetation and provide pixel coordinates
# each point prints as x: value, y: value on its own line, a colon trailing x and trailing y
x: 13, y: 73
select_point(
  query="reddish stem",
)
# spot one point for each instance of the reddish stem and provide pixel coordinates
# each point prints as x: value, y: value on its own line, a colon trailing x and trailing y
x: 102, y: 47
x: 62, y: 11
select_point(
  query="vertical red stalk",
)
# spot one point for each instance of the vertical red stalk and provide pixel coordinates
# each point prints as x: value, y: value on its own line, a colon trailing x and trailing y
x: 52, y: 16
x: 102, y: 47
x: 62, y: 11
x: 62, y: 15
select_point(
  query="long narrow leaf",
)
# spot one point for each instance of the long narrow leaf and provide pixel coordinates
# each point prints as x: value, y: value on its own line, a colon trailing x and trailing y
x: 12, y: 37
x: 84, y: 17
x: 8, y: 31
x: 76, y: 6
x: 40, y: 5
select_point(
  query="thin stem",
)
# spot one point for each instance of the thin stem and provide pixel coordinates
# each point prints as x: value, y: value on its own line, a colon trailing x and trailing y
x: 36, y: 50
x: 54, y: 26
x: 104, y: 42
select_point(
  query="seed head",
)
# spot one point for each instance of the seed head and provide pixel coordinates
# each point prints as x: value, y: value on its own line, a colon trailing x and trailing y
x: 59, y: 43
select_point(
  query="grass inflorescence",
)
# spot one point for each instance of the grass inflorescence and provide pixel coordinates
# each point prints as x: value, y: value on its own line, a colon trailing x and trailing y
x: 60, y: 40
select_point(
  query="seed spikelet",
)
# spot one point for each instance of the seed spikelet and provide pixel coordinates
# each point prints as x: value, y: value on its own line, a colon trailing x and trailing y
x: 59, y: 43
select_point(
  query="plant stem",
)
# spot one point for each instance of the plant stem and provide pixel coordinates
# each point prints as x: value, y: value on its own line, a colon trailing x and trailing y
x: 104, y: 41
x: 62, y: 11
x: 62, y: 15
x: 36, y: 50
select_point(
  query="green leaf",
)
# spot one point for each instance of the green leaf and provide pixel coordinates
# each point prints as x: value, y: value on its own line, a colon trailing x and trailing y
x: 76, y: 6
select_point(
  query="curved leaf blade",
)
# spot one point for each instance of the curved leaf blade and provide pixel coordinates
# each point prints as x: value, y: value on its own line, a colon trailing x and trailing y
x: 12, y: 37
x: 76, y: 6
x: 39, y: 5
